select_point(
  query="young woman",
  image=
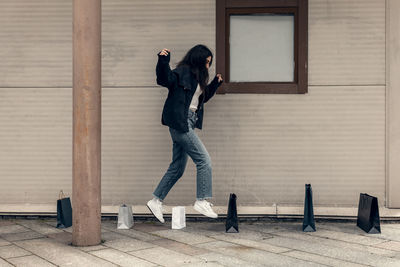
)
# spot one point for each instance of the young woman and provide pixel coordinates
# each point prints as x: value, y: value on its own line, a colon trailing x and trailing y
x: 182, y: 113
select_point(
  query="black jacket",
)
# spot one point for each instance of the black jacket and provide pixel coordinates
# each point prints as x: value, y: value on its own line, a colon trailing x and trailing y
x: 182, y: 85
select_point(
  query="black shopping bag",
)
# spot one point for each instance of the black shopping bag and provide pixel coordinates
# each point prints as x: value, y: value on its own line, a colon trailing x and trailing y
x: 368, y: 214
x: 308, y: 222
x: 64, y: 211
x: 232, y: 225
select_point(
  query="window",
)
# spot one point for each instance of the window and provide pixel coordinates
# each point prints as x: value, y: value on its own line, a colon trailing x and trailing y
x: 262, y: 46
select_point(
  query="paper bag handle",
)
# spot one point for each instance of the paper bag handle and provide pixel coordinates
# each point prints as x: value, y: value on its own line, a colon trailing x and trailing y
x: 61, y: 195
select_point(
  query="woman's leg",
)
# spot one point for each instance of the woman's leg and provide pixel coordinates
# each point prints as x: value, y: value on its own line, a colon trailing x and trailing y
x: 174, y: 172
x: 201, y: 158
x: 195, y: 148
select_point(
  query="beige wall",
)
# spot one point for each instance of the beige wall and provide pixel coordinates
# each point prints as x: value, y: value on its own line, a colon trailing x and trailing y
x: 264, y: 147
x: 392, y: 104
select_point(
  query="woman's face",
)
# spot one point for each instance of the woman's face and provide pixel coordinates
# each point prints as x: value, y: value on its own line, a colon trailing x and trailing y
x: 208, y: 60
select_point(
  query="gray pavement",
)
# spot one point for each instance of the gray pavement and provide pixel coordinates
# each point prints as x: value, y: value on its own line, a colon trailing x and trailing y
x: 36, y: 242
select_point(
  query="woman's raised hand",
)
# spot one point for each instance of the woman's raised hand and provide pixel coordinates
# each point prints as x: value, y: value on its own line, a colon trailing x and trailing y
x: 219, y: 78
x: 164, y: 52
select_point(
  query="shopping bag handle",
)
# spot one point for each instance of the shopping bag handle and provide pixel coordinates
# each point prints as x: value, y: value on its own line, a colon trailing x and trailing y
x: 61, y: 195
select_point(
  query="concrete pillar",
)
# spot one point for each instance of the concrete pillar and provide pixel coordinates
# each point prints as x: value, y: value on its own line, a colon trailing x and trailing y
x: 86, y: 190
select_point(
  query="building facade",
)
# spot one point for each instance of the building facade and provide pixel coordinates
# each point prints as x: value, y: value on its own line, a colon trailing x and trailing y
x: 341, y: 136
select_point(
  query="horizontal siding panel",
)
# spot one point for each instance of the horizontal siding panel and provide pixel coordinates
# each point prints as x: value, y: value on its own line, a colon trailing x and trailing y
x: 36, y: 144
x: 347, y: 42
x: 264, y: 147
x: 36, y: 43
x: 36, y: 39
x: 135, y: 31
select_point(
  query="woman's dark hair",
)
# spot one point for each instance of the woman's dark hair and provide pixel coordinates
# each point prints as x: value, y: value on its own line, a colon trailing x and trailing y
x: 195, y: 59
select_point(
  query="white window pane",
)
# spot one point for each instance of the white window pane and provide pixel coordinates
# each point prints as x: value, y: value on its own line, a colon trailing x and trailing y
x: 261, y: 48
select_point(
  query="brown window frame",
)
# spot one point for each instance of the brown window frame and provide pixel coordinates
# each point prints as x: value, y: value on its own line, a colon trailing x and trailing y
x: 224, y: 8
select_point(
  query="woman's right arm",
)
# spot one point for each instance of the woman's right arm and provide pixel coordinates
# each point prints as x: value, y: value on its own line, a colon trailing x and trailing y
x: 165, y: 77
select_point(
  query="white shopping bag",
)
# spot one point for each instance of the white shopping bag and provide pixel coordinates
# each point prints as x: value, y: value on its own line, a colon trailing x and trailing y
x: 178, y: 217
x: 125, y: 218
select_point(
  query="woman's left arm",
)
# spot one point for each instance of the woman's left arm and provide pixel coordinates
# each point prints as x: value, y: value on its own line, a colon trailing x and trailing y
x: 212, y: 87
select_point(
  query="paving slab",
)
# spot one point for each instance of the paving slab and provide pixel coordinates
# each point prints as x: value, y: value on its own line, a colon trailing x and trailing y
x: 183, y: 237
x: 22, y: 236
x: 394, y: 225
x: 12, y: 251
x: 226, y: 260
x: 3, y: 263
x: 51, y: 222
x: 133, y: 232
x: 390, y: 245
x: 179, y: 247
x: 39, y: 226
x: 347, y: 227
x: 13, y: 228
x: 143, y: 236
x: 123, y: 243
x: 388, y: 233
x: 109, y: 224
x: 92, y: 248
x: 204, y: 243
x: 347, y: 237
x: 250, y: 243
x: 203, y: 264
x: 249, y: 234
x: 63, y: 237
x: 5, y: 222
x: 30, y: 261
x: 70, y: 229
x: 216, y: 230
x: 271, y: 227
x: 319, y: 248
x: 111, y: 236
x: 165, y: 257
x: 4, y: 242
x: 209, y: 228
x: 336, y: 243
x: 254, y: 256
x: 320, y: 259
x: 262, y: 227
x: 61, y: 254
x: 198, y: 231
x: 121, y: 258
x: 151, y: 227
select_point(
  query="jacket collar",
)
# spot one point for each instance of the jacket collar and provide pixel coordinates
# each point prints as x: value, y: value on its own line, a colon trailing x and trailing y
x: 185, y: 77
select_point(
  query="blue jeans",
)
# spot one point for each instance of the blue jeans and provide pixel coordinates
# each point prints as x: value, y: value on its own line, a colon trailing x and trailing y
x: 185, y: 144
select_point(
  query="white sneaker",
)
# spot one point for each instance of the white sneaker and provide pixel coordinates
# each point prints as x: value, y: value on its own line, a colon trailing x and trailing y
x: 155, y: 206
x: 204, y: 208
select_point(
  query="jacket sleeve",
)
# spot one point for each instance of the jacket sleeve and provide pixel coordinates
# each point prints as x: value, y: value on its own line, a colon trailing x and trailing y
x: 211, y: 89
x: 165, y: 77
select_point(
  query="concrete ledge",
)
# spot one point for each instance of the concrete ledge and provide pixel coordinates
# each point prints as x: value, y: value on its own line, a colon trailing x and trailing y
x: 275, y: 210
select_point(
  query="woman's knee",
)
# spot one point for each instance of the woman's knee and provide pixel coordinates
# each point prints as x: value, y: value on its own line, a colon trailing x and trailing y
x: 178, y: 169
x: 205, y: 162
x: 180, y: 173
